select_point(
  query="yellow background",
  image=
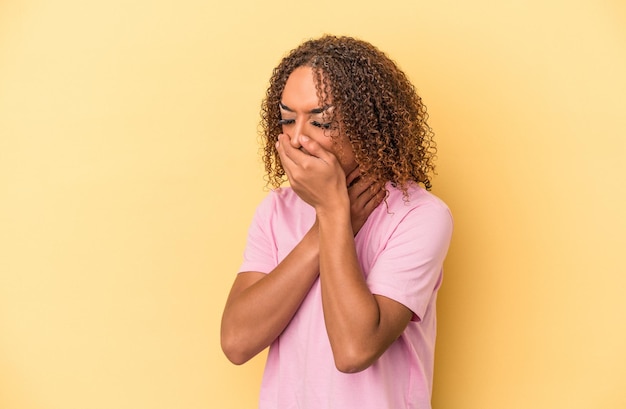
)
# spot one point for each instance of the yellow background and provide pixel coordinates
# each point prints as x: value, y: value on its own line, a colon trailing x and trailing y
x: 129, y: 171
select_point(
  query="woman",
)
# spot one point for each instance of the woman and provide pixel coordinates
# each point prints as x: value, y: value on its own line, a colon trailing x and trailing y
x: 341, y: 269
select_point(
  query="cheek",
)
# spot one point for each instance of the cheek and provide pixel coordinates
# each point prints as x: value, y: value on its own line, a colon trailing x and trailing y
x: 343, y: 151
x: 322, y: 138
x: 327, y: 144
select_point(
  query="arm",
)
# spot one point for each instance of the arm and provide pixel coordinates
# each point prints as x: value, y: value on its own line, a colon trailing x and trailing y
x: 360, y: 325
x: 260, y: 306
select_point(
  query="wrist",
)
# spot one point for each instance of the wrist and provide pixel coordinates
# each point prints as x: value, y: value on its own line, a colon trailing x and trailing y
x: 337, y: 214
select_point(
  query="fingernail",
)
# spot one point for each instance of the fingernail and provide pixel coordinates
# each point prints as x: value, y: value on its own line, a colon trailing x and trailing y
x: 304, y: 138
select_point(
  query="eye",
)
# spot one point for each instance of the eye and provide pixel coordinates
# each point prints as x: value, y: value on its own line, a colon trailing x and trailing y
x: 286, y: 121
x: 321, y: 125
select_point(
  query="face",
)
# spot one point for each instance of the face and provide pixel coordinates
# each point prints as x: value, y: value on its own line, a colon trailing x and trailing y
x: 303, y: 114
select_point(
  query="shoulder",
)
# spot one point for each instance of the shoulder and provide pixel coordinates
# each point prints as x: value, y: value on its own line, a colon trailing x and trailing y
x: 280, y: 197
x: 421, y: 216
x: 282, y: 205
x: 418, y: 200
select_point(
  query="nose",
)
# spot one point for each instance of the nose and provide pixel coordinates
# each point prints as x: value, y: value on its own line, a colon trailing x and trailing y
x: 296, y: 131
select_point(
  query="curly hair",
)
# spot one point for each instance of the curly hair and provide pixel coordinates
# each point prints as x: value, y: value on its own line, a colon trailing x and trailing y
x: 376, y: 107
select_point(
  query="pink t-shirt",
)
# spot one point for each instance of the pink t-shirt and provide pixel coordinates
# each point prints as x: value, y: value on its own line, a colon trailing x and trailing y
x: 401, y: 250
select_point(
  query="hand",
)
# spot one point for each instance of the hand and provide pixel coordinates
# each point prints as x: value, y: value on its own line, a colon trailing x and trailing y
x: 365, y: 196
x: 314, y: 173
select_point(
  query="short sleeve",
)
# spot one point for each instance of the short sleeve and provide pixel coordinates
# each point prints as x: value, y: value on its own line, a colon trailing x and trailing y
x: 409, y: 269
x: 260, y: 251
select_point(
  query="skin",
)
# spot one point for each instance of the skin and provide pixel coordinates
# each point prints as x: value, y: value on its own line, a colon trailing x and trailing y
x: 260, y: 306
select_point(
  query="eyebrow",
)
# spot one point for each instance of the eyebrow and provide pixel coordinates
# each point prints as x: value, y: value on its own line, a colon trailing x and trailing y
x: 313, y: 111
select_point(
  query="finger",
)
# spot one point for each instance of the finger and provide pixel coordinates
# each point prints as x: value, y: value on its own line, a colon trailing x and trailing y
x: 375, y: 200
x: 313, y: 148
x: 288, y: 154
x: 286, y: 162
x: 362, y: 185
x: 361, y: 193
x: 356, y: 189
x: 353, y: 176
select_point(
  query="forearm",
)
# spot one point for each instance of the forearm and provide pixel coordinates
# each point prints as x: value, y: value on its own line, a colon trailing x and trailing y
x: 351, y: 312
x: 256, y: 314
